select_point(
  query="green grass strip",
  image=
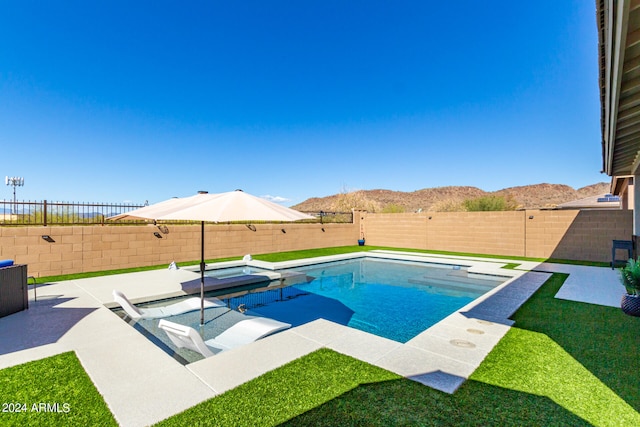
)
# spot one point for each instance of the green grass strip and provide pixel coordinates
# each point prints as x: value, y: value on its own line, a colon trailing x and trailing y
x: 577, y: 355
x: 51, y: 392
x: 533, y: 363
x: 85, y: 275
x: 326, y: 388
x: 530, y: 378
x: 280, y: 395
x: 566, y: 363
x: 310, y: 253
x: 603, y: 339
x: 511, y: 266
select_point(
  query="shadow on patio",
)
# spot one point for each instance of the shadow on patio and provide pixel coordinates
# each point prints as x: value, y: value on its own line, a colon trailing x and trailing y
x: 43, y: 323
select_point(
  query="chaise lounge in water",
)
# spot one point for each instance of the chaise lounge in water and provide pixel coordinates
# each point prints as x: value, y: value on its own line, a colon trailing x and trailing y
x: 243, y: 332
x: 185, y: 306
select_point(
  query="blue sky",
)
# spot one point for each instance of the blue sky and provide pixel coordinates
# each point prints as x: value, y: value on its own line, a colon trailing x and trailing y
x: 132, y: 101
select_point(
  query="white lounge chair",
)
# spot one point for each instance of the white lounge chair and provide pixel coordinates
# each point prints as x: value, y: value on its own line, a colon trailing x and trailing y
x: 185, y: 306
x: 243, y: 332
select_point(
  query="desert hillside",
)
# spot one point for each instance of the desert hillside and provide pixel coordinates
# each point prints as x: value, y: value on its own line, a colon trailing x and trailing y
x: 441, y: 198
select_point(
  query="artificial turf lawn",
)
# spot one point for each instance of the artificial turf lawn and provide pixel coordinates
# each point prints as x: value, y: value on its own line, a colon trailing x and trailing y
x: 602, y: 339
x: 309, y: 253
x: 326, y: 388
x: 564, y: 363
x: 54, y: 391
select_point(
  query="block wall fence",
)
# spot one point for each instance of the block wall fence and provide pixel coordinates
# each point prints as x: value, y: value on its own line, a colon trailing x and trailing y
x: 578, y: 235
x: 585, y: 235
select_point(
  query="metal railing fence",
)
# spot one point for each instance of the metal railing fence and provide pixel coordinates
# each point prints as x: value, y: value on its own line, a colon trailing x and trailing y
x: 81, y: 213
x: 59, y: 213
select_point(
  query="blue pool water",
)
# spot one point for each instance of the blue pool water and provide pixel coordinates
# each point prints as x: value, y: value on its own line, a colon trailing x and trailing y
x: 389, y: 298
x: 392, y: 299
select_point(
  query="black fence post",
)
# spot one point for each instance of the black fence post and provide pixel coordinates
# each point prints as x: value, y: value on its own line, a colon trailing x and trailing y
x: 44, y: 213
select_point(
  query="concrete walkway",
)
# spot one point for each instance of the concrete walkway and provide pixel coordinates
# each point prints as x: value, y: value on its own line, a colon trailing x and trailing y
x: 143, y: 385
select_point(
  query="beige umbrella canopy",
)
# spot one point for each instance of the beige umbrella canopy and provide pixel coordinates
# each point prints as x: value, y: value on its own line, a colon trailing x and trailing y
x: 231, y: 206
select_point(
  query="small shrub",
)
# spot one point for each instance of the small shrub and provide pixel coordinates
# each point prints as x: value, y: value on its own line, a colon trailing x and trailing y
x: 448, y: 206
x: 357, y: 200
x: 393, y: 208
x: 630, y: 276
x: 490, y: 203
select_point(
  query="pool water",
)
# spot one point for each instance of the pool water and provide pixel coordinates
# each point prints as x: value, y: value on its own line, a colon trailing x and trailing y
x: 389, y: 298
x: 392, y: 299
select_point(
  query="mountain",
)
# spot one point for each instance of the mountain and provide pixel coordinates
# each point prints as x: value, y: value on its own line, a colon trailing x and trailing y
x: 448, y: 198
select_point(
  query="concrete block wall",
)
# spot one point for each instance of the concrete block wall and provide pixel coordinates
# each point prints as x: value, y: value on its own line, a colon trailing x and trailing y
x: 566, y: 234
x: 498, y: 233
x: 78, y: 249
x: 578, y: 235
x: 545, y: 230
x: 581, y: 235
x: 395, y: 230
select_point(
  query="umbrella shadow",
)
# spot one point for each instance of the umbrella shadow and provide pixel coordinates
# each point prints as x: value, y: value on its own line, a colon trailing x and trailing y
x: 213, y: 284
x: 396, y: 404
x: 305, y: 308
x: 43, y: 323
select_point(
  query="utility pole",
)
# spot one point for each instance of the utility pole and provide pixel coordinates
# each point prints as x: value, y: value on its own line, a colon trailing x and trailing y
x: 14, y: 181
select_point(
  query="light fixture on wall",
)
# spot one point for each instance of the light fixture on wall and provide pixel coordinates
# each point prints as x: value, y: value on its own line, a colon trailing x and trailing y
x: 48, y: 238
x: 530, y: 216
x: 251, y: 227
x: 283, y: 230
x: 158, y: 235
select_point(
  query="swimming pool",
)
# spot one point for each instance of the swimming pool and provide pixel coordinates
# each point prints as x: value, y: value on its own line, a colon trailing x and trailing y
x: 389, y: 298
x: 392, y: 298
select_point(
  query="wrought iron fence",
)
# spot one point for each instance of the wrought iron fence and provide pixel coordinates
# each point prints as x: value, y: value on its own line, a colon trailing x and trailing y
x: 74, y: 213
x: 333, y: 217
x: 59, y: 213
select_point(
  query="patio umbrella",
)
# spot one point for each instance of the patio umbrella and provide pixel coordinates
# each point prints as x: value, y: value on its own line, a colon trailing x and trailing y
x: 204, y: 207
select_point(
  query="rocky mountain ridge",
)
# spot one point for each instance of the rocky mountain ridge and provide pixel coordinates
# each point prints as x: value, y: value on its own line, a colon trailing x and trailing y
x: 537, y: 196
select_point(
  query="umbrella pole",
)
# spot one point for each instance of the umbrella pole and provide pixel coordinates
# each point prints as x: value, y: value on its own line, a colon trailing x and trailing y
x: 202, y: 266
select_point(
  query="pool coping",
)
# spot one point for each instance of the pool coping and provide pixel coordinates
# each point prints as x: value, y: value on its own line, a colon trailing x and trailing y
x: 142, y: 384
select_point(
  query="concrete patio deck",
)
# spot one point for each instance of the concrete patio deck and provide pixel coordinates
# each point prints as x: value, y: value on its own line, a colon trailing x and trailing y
x: 143, y: 385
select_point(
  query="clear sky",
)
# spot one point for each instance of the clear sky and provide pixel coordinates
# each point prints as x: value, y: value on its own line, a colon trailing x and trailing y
x: 144, y: 100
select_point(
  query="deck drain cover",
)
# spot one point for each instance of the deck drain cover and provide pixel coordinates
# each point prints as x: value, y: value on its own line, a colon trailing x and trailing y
x: 462, y: 343
x: 475, y: 331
